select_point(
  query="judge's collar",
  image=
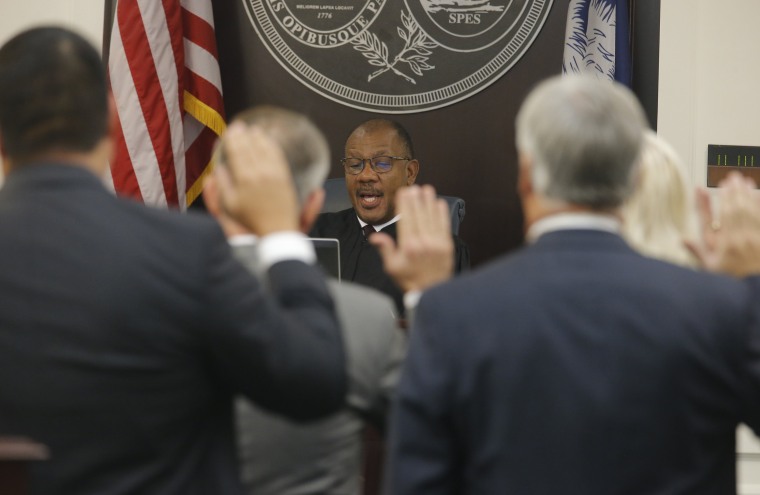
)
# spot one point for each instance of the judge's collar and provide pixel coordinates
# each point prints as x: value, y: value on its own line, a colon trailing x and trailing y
x: 380, y: 227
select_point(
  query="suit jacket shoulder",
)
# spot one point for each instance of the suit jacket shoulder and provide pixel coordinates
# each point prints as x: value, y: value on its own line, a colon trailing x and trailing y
x: 279, y: 457
x: 375, y: 346
x: 148, y: 312
x: 607, y: 347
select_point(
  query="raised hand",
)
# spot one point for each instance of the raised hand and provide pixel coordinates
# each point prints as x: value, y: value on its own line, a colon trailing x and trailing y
x: 424, y: 253
x: 255, y: 184
x: 731, y: 239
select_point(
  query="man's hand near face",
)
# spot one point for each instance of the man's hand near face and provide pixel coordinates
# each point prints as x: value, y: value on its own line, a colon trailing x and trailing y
x: 255, y: 183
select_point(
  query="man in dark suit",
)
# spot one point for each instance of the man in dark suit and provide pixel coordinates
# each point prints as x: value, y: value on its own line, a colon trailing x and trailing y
x: 124, y: 331
x: 576, y: 365
x: 379, y: 160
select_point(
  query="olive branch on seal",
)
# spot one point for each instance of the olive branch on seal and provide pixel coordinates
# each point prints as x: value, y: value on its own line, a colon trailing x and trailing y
x: 415, y: 53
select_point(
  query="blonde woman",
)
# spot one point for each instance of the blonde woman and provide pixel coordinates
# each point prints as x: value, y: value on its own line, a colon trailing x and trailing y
x: 660, y: 216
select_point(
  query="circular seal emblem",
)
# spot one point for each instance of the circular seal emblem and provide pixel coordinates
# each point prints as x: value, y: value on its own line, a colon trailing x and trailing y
x: 393, y: 56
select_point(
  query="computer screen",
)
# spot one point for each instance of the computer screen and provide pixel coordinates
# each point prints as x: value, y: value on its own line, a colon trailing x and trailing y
x: 328, y: 255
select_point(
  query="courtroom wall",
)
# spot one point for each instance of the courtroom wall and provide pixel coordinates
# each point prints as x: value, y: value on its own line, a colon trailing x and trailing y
x: 709, y: 69
x: 86, y: 16
x: 708, y: 94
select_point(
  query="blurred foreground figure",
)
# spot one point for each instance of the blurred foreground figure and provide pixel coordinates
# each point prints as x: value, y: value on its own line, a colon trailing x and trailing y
x: 660, y: 217
x: 576, y: 365
x: 124, y: 331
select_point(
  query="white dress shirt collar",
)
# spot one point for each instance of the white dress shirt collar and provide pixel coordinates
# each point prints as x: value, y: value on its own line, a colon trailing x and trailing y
x: 243, y: 240
x: 573, y: 221
x: 279, y: 246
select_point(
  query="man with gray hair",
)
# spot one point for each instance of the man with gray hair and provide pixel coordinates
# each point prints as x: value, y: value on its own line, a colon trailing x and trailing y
x: 576, y: 365
x: 279, y: 457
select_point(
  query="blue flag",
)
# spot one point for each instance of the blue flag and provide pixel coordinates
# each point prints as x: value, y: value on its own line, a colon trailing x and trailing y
x: 597, y: 39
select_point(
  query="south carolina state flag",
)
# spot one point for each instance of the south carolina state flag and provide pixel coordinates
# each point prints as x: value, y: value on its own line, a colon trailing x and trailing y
x: 597, y: 39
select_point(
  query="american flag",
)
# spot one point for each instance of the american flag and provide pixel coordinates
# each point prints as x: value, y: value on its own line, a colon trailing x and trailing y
x: 164, y: 73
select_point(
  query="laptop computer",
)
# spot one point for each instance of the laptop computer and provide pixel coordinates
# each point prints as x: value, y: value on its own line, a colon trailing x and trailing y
x: 328, y: 255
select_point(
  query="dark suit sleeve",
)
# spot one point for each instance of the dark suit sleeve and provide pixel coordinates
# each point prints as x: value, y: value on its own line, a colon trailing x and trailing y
x: 282, y: 348
x: 423, y: 450
x: 750, y: 359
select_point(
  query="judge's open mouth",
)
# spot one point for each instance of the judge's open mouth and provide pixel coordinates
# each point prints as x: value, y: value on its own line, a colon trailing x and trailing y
x: 370, y: 200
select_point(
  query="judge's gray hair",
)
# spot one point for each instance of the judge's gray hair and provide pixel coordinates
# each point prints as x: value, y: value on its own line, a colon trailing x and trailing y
x: 583, y: 136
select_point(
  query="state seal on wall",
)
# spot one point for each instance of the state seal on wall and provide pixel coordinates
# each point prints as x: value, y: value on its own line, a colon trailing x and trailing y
x: 396, y: 56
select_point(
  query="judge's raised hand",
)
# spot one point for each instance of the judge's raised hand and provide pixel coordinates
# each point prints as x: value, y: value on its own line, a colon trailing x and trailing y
x: 255, y: 184
x: 731, y: 240
x: 424, y: 252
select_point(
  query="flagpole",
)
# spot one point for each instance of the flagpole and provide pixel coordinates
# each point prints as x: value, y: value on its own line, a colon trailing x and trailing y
x: 109, y: 10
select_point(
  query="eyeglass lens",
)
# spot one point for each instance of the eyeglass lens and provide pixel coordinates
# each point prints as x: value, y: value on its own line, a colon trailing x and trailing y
x: 379, y: 164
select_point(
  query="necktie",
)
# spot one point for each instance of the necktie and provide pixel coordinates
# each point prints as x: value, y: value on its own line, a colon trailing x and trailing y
x: 368, y: 230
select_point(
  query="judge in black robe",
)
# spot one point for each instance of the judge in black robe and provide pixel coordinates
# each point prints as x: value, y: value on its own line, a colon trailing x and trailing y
x: 361, y: 262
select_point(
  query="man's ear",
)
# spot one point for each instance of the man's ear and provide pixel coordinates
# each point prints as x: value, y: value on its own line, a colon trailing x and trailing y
x: 524, y: 175
x: 312, y: 206
x: 3, y: 160
x: 112, y: 123
x: 113, y: 116
x: 210, y: 195
x: 412, y: 169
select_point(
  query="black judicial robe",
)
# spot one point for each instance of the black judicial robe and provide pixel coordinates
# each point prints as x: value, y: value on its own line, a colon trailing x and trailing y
x: 361, y: 262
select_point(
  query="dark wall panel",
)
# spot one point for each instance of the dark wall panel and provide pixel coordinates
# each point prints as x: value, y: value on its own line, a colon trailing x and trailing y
x: 646, y: 55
